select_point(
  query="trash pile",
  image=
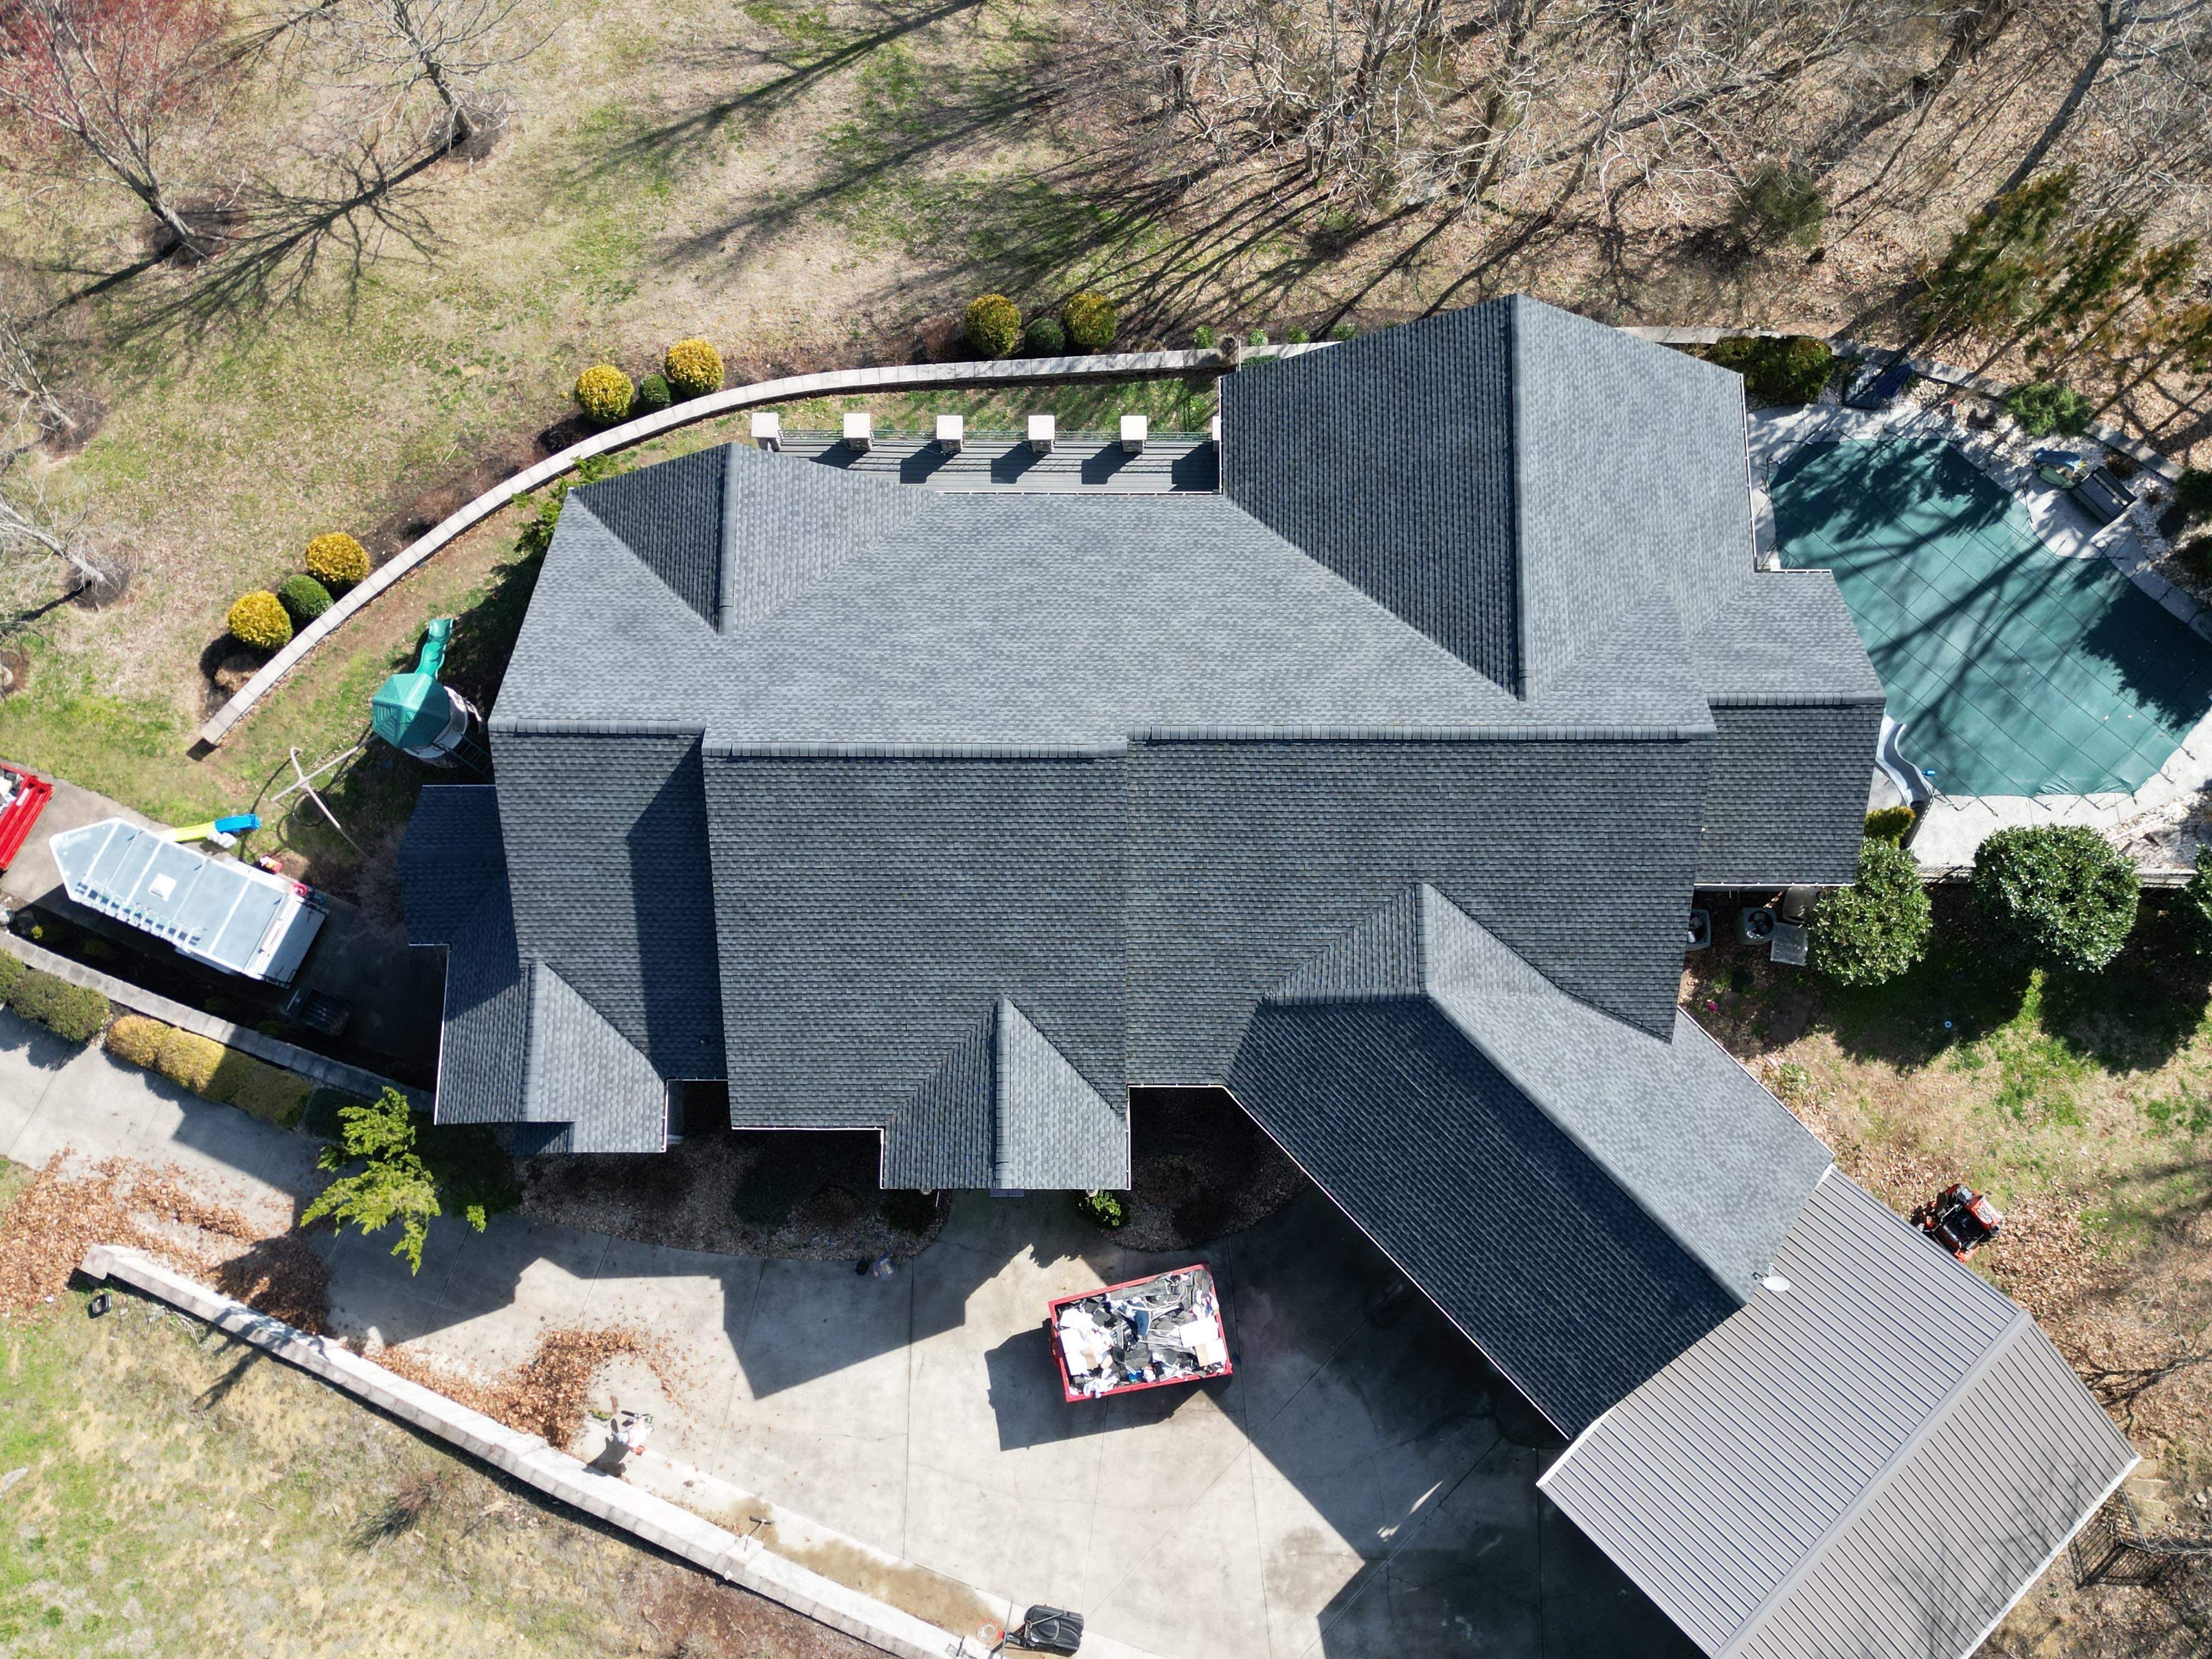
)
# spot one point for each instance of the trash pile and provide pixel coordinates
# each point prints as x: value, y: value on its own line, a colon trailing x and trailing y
x: 1141, y: 1334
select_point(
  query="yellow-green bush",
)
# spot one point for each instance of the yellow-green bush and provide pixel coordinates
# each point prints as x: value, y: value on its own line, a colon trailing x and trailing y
x: 260, y: 619
x: 994, y: 324
x: 268, y: 1092
x: 603, y: 392
x: 693, y: 368
x: 190, y: 1060
x: 137, y: 1040
x: 1090, y: 320
x: 335, y: 560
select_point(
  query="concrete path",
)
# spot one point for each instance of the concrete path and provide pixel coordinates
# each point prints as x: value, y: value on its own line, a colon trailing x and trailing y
x: 1363, y: 1486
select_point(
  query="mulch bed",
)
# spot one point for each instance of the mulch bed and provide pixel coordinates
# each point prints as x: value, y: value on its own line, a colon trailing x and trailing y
x: 1202, y: 1170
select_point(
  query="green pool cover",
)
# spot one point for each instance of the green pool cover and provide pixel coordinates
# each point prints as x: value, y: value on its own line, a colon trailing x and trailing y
x: 2016, y: 672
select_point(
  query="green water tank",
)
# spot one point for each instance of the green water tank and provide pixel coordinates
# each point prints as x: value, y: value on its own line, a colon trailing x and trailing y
x: 415, y: 715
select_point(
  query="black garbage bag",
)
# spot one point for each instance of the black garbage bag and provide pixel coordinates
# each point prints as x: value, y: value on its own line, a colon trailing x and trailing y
x: 1051, y: 1630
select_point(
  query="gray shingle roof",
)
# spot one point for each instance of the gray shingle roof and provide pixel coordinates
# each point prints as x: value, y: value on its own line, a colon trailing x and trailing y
x: 670, y: 517
x: 1875, y: 1461
x: 1596, y: 1198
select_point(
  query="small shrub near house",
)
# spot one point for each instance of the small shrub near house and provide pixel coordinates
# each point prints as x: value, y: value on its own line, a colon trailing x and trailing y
x: 1044, y: 338
x: 652, y: 395
x: 603, y: 394
x: 1785, y: 370
x: 304, y: 598
x: 1090, y: 320
x: 1343, y: 331
x: 336, y: 560
x: 137, y: 1040
x: 1296, y: 335
x: 2058, y: 896
x: 1889, y: 824
x: 260, y: 619
x: 992, y: 324
x: 2043, y: 409
x: 74, y: 1013
x: 2192, y: 492
x: 693, y: 368
x: 1101, y: 1209
x: 1203, y: 336
x: 1869, y: 933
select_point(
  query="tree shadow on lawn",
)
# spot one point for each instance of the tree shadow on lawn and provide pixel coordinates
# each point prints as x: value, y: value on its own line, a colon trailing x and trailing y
x: 2135, y: 1015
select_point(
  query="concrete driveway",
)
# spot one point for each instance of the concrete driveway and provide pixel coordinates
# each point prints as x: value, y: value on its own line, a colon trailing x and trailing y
x: 1363, y: 1486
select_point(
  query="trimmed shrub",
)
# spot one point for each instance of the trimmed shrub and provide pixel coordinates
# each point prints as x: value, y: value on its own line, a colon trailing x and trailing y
x: 2192, y: 492
x: 603, y: 393
x: 1044, y: 338
x: 1101, y: 1209
x: 1295, y: 336
x: 268, y: 1092
x: 303, y: 597
x: 337, y: 560
x: 2195, y: 904
x: 1344, y: 331
x: 1090, y: 320
x: 1870, y: 933
x: 1258, y: 337
x: 1781, y: 203
x: 992, y: 324
x: 2043, y: 409
x: 11, y: 974
x: 2055, y: 895
x: 1889, y: 824
x: 258, y: 619
x: 652, y: 395
x: 693, y: 368
x: 1203, y: 336
x: 137, y: 1040
x: 74, y: 1013
x: 190, y: 1060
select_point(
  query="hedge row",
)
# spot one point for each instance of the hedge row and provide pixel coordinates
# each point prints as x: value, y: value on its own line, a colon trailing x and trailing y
x: 211, y: 1070
x: 74, y: 1013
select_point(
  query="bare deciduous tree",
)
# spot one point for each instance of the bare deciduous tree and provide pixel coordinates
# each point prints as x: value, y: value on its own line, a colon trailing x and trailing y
x: 121, y: 83
x: 46, y: 553
x: 405, y: 53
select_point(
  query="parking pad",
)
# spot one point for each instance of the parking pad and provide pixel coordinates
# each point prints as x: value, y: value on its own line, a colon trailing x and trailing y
x: 2015, y: 671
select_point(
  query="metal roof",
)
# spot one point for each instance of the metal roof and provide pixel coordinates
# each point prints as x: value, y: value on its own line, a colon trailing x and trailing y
x: 1875, y: 1458
x: 216, y: 910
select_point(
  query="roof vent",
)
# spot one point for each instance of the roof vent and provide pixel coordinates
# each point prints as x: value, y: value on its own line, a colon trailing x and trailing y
x: 1775, y: 1283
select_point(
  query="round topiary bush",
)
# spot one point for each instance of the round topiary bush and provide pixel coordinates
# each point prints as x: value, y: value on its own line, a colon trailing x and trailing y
x: 603, y: 393
x: 2057, y: 896
x: 1869, y: 933
x: 1090, y: 320
x: 651, y: 397
x: 1889, y: 824
x: 1044, y: 338
x: 258, y: 619
x: 993, y: 325
x: 336, y: 560
x: 304, y: 598
x: 693, y: 367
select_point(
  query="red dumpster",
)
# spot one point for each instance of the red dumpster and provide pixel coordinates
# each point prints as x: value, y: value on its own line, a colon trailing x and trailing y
x: 1141, y: 1334
x: 23, y: 796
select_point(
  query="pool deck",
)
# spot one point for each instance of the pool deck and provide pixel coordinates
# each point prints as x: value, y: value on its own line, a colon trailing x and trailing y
x: 1952, y: 826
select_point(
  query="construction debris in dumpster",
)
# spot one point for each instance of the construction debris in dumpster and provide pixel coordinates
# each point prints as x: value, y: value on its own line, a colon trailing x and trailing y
x: 1142, y: 1335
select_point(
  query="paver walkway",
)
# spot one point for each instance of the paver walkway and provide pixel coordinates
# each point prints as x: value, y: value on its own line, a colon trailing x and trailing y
x: 1362, y: 1486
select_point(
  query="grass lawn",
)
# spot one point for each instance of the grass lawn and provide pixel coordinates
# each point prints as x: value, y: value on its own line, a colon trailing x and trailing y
x: 183, y: 1494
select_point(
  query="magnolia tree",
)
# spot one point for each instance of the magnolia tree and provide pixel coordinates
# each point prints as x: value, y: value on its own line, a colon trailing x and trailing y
x: 121, y: 83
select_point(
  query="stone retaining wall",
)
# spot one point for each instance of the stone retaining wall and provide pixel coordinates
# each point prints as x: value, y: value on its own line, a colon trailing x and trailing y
x: 319, y: 1068
x: 527, y: 1458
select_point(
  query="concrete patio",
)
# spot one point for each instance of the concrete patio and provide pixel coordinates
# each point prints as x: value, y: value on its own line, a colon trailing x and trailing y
x: 1363, y: 1486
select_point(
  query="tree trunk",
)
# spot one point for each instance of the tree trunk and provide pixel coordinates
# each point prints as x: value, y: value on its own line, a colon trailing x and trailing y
x: 2108, y: 38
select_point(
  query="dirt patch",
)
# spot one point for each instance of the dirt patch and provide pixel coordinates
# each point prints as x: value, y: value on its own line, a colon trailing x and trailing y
x: 945, y: 1602
x: 802, y: 1195
x: 700, y: 1619
x: 549, y: 1392
x: 1201, y: 1170
x: 60, y: 1216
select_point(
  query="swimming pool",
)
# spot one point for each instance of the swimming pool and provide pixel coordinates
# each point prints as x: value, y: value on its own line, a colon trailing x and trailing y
x: 2016, y: 672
